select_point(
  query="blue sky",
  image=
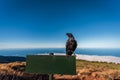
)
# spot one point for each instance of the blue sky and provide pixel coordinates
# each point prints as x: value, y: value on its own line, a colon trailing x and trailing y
x: 44, y: 23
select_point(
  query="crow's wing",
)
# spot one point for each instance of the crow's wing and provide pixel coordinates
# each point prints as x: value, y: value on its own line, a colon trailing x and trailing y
x: 71, y: 45
x: 74, y: 45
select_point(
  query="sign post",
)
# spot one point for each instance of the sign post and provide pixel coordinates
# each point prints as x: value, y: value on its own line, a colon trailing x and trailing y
x: 51, y: 75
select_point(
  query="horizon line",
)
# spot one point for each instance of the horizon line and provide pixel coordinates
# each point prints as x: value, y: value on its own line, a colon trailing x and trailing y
x: 60, y: 47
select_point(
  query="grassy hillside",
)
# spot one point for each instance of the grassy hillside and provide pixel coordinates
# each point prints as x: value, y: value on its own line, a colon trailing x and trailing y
x: 86, y: 70
x: 80, y: 64
x: 90, y: 70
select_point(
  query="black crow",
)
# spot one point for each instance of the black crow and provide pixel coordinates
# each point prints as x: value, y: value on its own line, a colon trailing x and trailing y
x: 71, y: 44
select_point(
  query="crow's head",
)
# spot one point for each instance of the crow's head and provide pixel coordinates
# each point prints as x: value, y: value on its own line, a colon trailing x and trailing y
x: 69, y: 35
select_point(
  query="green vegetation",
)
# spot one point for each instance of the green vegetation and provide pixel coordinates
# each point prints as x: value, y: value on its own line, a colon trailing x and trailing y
x: 80, y: 64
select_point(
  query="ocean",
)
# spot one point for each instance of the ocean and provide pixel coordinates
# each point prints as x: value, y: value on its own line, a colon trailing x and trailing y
x: 90, y: 54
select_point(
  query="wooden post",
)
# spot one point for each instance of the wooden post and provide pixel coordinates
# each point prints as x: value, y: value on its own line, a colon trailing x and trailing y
x: 51, y: 75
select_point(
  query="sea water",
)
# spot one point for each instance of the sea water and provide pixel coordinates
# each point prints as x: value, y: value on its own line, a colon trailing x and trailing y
x: 90, y: 54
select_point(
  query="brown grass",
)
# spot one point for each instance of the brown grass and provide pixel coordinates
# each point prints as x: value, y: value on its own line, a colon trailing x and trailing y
x: 86, y: 70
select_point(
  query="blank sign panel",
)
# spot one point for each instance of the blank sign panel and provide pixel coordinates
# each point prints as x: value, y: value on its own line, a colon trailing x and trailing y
x: 46, y: 64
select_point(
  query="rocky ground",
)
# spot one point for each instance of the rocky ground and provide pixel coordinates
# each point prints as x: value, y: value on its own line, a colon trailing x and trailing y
x: 85, y: 71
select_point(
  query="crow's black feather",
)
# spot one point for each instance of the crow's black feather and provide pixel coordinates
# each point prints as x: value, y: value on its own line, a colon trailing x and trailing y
x: 71, y: 44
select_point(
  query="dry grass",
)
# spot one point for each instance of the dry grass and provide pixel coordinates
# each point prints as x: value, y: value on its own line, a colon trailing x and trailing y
x: 12, y: 68
x: 80, y: 64
x: 86, y: 70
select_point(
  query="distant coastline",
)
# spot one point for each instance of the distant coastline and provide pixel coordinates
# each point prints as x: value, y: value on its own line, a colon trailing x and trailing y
x: 7, y: 59
x: 109, y: 59
x: 101, y: 55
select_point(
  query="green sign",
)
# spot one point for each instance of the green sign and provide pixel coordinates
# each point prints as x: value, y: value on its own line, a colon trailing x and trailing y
x: 48, y: 64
